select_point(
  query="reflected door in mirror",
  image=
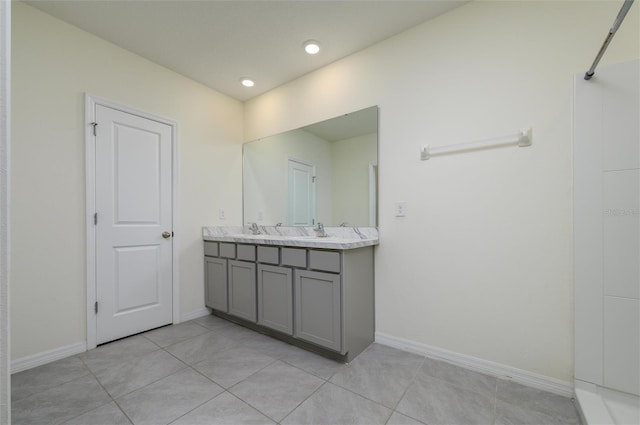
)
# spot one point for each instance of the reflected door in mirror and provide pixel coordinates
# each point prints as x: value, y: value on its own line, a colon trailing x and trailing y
x: 302, y: 193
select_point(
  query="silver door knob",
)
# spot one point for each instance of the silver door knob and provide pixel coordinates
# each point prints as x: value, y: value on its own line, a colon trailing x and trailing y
x: 166, y: 235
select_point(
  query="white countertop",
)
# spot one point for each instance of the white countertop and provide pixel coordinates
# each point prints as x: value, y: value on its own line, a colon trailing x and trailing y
x: 340, y: 238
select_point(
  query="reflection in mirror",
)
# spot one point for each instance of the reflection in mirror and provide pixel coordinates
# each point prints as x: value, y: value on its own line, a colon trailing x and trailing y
x: 325, y: 172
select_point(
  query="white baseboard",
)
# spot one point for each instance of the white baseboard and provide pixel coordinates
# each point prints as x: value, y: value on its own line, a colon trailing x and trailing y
x: 195, y: 314
x: 49, y: 356
x: 45, y: 357
x: 499, y: 370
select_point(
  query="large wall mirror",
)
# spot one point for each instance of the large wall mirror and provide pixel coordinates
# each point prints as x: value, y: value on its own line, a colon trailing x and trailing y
x: 325, y: 172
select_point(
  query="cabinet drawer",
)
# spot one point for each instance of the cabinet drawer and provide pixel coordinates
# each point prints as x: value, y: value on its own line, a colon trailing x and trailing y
x: 211, y: 249
x: 268, y: 254
x: 246, y: 252
x: 295, y: 257
x: 227, y: 250
x: 324, y: 260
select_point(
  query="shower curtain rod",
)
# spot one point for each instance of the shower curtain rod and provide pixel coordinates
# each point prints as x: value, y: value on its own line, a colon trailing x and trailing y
x: 616, y: 24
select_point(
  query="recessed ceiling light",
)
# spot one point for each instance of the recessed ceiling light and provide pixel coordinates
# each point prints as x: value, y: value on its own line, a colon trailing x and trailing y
x: 247, y: 82
x: 311, y: 46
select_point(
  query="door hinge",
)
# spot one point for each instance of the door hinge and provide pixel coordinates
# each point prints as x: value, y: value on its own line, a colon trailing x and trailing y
x: 95, y: 219
x: 95, y: 307
x: 95, y: 125
x: 313, y: 179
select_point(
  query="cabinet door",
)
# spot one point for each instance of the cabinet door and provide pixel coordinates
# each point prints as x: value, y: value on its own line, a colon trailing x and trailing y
x: 242, y: 289
x: 275, y: 298
x: 215, y: 277
x: 318, y: 313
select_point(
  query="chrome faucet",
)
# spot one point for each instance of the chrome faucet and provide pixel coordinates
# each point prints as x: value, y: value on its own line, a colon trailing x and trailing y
x: 254, y: 229
x: 343, y: 224
x: 320, y: 232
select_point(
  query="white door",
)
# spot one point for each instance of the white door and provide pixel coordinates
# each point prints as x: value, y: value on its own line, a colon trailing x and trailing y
x: 302, y: 193
x: 134, y: 224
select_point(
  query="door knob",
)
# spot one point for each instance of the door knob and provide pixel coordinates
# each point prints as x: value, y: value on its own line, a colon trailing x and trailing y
x: 166, y: 235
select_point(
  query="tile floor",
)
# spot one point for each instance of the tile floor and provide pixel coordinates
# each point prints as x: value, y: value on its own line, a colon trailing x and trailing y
x: 210, y: 371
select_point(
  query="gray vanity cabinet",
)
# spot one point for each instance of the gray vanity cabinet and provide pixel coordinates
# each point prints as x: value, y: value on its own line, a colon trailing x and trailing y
x: 242, y: 289
x: 318, y: 308
x: 318, y: 299
x: 215, y: 276
x: 275, y: 298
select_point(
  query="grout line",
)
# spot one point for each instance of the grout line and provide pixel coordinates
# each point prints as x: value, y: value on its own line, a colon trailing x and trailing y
x: 106, y: 392
x: 148, y: 339
x: 308, y: 397
x: 266, y: 416
x: 151, y: 383
x: 411, y: 381
x: 13, y: 400
x: 198, y: 406
x: 123, y: 412
x: 308, y: 371
x: 252, y: 406
x: 178, y: 359
x: 360, y: 395
x: 227, y: 388
x: 135, y: 359
x: 257, y: 371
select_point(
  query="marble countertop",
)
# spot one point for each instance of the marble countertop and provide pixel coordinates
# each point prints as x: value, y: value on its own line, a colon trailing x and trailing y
x: 341, y: 238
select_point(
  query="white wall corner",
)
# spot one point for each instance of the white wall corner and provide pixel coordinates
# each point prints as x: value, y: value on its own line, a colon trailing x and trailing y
x: 195, y: 314
x: 5, y: 135
x: 498, y: 370
x: 48, y: 356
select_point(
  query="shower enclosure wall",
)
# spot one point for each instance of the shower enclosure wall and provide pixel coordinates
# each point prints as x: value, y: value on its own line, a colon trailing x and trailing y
x: 607, y: 244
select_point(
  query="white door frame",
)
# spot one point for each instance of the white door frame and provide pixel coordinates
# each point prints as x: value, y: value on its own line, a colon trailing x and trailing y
x: 90, y: 103
x: 373, y: 194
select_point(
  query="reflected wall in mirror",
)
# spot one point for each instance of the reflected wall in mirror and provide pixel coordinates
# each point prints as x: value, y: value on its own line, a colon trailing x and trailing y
x: 325, y: 172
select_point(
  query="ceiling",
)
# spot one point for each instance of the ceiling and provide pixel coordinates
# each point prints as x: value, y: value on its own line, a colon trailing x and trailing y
x: 218, y: 42
x: 346, y: 126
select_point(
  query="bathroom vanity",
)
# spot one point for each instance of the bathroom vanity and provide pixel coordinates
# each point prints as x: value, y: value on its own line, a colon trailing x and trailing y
x: 313, y: 292
x: 297, y: 280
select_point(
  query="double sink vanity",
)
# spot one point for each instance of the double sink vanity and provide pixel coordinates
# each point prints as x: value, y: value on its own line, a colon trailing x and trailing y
x: 313, y: 292
x: 297, y: 280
